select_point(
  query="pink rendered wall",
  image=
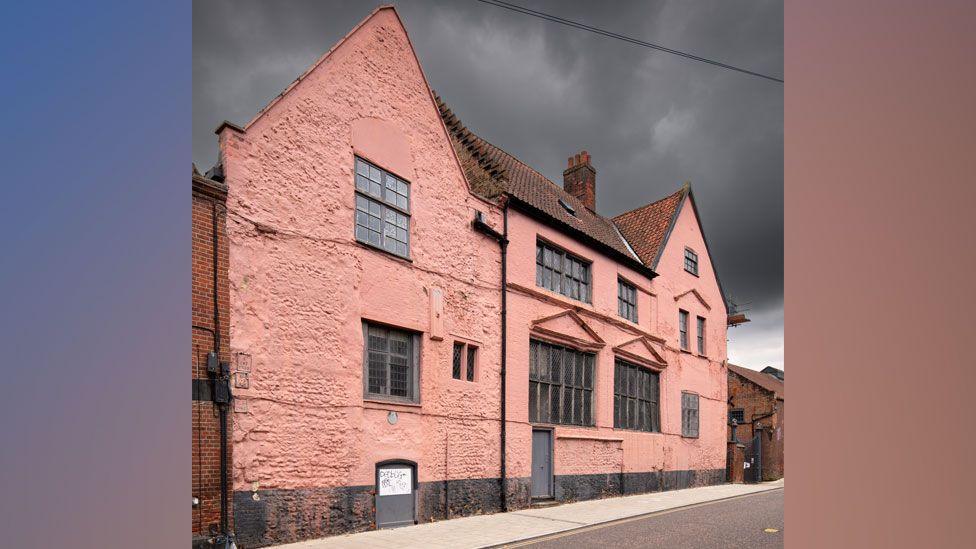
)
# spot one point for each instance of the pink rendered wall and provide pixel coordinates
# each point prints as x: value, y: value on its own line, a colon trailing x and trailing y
x: 602, y: 449
x: 301, y: 284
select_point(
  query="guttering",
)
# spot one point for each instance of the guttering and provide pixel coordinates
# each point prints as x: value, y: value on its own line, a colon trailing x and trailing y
x: 582, y: 236
x: 502, y: 238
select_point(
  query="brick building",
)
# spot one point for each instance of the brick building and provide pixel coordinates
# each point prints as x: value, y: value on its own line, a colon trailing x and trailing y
x: 424, y: 327
x: 210, y: 346
x: 757, y: 404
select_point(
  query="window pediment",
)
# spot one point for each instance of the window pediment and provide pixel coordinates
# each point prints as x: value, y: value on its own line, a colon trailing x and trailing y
x: 641, y: 350
x: 697, y: 295
x: 567, y: 328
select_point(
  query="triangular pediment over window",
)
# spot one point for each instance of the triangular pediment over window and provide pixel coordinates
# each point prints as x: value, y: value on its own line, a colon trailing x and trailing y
x: 641, y: 350
x: 694, y: 293
x: 567, y: 328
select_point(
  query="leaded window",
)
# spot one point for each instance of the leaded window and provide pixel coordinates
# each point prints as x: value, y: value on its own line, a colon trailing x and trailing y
x: 382, y: 209
x: 627, y: 300
x: 689, y: 415
x: 635, y: 398
x: 562, y: 272
x: 390, y: 363
x: 701, y: 335
x: 463, y: 360
x: 560, y: 385
x: 456, y: 361
x: 683, y: 329
x: 737, y: 415
x: 691, y: 261
x: 472, y: 357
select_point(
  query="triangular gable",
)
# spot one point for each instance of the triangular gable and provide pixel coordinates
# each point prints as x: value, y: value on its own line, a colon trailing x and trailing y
x: 430, y: 93
x: 696, y: 294
x: 690, y: 197
x: 567, y: 328
x: 641, y: 351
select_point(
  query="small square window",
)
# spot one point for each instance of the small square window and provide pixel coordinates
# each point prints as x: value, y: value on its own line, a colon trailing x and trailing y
x: 738, y: 415
x: 463, y: 361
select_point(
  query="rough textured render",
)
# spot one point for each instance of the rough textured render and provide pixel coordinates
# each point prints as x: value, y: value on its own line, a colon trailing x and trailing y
x: 306, y: 439
x: 301, y: 285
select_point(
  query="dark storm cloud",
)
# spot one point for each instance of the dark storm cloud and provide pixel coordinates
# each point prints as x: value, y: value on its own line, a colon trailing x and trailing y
x: 543, y: 91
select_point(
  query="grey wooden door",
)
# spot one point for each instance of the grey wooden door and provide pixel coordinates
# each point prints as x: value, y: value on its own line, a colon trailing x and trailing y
x: 541, y: 464
x: 395, y: 494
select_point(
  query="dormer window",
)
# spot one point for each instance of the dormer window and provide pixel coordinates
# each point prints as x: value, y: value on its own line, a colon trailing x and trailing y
x: 566, y: 206
x: 691, y: 261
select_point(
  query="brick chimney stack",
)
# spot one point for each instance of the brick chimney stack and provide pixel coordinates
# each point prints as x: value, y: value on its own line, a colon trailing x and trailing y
x: 579, y: 180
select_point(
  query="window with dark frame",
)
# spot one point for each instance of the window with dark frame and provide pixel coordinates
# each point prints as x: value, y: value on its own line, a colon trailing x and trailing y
x: 472, y: 357
x: 456, y: 362
x: 738, y: 414
x: 691, y: 261
x: 463, y: 360
x: 626, y: 300
x: 683, y: 328
x: 701, y: 335
x: 390, y: 363
x: 382, y: 209
x: 562, y: 272
x: 689, y: 415
x: 560, y: 385
x: 636, y: 394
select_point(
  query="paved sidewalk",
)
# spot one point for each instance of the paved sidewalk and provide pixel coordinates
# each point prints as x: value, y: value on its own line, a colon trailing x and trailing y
x: 501, y: 528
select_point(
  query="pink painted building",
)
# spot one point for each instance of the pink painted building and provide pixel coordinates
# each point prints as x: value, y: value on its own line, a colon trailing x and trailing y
x: 398, y: 285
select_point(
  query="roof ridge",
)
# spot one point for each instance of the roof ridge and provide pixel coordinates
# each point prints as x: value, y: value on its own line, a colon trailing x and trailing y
x: 469, y: 139
x: 467, y: 132
x: 682, y: 189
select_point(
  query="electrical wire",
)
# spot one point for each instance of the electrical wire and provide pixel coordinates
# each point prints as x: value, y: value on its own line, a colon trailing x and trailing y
x: 556, y: 19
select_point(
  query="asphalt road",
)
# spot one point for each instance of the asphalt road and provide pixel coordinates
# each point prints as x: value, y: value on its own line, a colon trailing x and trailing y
x: 733, y: 523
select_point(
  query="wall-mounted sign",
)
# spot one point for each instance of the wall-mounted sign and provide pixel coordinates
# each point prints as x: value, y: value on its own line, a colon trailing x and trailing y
x: 394, y: 482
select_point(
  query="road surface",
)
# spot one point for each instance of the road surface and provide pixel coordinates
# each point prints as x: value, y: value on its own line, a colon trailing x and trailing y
x: 733, y: 523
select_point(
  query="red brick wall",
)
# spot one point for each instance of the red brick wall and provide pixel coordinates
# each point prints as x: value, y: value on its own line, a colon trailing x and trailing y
x: 206, y: 426
x: 756, y: 401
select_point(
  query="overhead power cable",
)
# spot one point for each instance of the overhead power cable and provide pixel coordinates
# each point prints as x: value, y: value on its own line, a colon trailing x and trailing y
x: 609, y: 34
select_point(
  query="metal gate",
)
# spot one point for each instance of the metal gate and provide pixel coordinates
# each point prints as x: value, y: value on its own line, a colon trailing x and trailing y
x: 753, y: 461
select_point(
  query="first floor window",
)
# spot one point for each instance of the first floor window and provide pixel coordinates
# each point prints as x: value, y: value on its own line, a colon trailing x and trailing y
x: 626, y: 300
x: 689, y: 415
x: 701, y: 335
x: 683, y: 329
x: 390, y: 363
x: 560, y: 385
x: 635, y: 398
x: 562, y: 272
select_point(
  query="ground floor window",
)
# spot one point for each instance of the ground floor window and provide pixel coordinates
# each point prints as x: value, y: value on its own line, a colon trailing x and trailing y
x: 635, y: 398
x: 689, y: 415
x: 390, y: 363
x: 560, y: 384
